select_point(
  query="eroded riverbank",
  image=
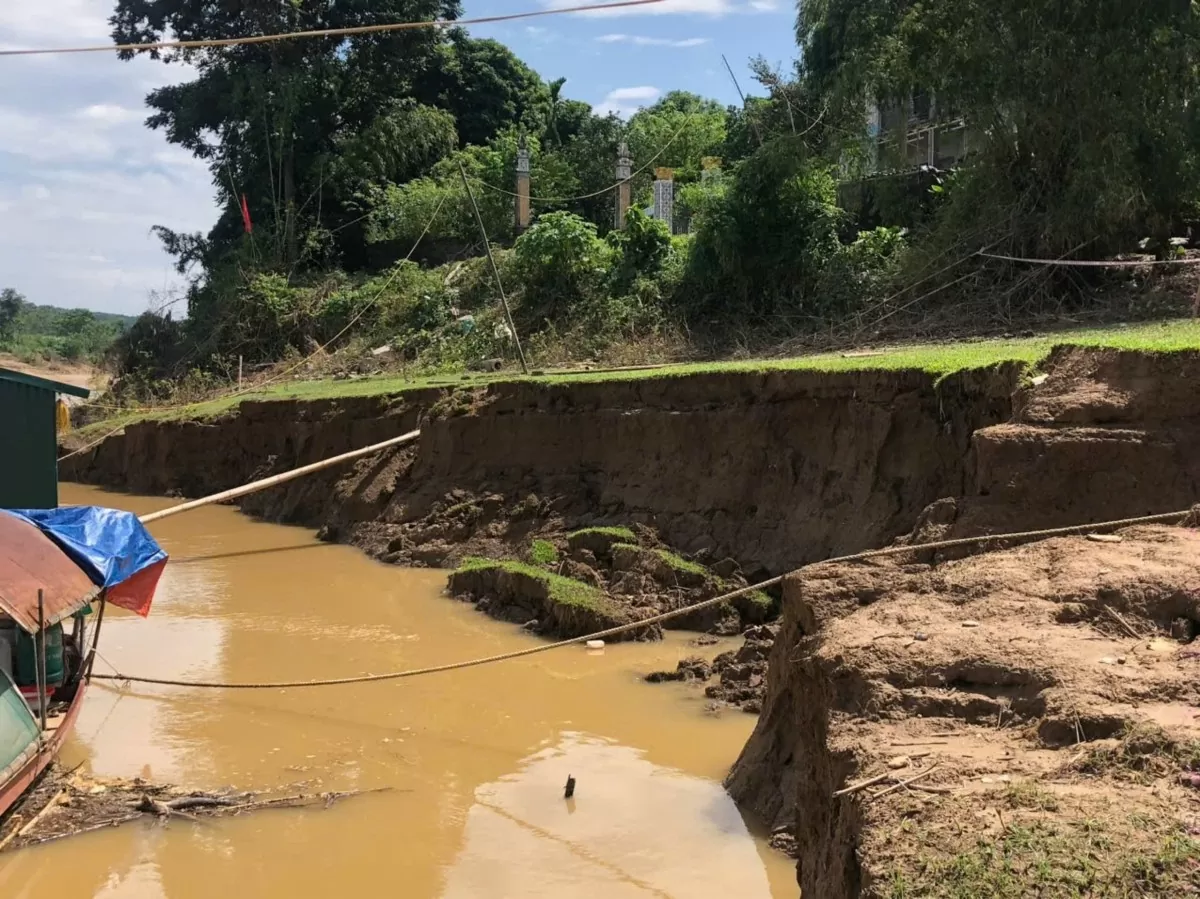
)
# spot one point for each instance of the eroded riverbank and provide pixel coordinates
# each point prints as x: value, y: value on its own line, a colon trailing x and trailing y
x: 767, y: 472
x: 477, y: 758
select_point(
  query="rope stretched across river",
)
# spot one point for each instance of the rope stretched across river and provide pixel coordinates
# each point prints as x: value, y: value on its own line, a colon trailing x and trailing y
x: 1167, y: 517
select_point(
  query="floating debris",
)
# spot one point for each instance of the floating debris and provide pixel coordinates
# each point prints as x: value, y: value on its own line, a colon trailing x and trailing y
x: 67, y: 803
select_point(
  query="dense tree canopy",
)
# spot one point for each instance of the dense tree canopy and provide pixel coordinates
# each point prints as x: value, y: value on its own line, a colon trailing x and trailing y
x: 1078, y: 111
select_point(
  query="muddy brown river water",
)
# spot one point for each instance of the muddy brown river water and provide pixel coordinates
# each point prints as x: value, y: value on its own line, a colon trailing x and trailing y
x: 476, y: 759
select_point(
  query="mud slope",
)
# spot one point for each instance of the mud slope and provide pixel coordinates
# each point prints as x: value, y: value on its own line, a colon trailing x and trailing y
x: 1046, y: 694
x: 774, y: 469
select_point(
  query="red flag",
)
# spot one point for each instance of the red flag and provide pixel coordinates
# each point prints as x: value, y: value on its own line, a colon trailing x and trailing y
x: 249, y: 225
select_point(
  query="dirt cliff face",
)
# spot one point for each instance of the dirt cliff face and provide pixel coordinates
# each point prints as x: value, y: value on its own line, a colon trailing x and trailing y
x: 1031, y: 692
x: 773, y: 469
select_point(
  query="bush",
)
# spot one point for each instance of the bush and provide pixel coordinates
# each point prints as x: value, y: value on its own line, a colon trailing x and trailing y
x: 762, y: 240
x: 150, y: 349
x: 863, y: 270
x: 644, y: 246
x: 562, y: 265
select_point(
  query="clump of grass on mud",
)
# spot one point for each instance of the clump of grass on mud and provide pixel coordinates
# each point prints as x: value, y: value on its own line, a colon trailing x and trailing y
x: 543, y: 552
x: 562, y: 590
x: 760, y: 599
x: 619, y: 534
x: 1085, y: 859
x: 681, y: 564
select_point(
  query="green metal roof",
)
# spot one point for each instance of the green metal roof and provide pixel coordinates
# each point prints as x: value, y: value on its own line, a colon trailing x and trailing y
x: 19, y: 377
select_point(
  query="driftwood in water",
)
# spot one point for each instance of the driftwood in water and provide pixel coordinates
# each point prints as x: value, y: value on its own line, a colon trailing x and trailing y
x: 66, y: 804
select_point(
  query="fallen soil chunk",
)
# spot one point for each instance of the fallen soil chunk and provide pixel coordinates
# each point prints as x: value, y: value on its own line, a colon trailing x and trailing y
x: 593, y: 579
x: 741, y: 674
x: 524, y: 594
x: 1013, y: 724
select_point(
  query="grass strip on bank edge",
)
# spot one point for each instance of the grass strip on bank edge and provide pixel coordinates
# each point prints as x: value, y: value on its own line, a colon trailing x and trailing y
x: 939, y: 359
x: 756, y: 597
x: 561, y: 590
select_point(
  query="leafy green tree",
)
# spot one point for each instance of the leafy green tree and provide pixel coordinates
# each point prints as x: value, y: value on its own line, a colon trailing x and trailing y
x: 1082, y: 114
x: 270, y: 119
x: 677, y: 132
x: 763, y: 237
x: 74, y: 322
x: 484, y: 86
x: 11, y: 304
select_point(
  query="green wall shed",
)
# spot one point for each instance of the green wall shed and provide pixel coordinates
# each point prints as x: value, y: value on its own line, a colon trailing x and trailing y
x: 28, y: 442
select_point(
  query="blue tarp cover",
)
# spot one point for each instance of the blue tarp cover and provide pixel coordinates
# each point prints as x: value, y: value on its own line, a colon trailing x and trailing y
x: 111, y: 546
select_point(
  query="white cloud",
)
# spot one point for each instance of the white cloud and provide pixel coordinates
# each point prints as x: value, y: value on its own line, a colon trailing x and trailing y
x: 625, y: 101
x: 82, y: 180
x: 665, y: 8
x: 540, y: 34
x: 110, y: 114
x: 638, y: 40
x: 764, y: 5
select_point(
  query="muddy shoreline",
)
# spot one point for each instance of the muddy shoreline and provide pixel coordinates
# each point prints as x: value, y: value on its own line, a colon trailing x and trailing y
x: 771, y: 472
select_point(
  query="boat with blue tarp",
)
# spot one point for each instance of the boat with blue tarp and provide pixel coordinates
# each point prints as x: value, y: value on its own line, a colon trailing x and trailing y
x: 59, y: 571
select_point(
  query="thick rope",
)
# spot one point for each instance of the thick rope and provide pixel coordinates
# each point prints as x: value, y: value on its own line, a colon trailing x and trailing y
x: 1166, y: 517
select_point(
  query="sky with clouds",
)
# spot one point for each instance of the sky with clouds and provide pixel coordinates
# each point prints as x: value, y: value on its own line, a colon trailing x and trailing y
x: 82, y: 181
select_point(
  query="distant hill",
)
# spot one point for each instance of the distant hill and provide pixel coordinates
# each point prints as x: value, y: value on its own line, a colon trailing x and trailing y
x: 37, y: 332
x: 49, y: 319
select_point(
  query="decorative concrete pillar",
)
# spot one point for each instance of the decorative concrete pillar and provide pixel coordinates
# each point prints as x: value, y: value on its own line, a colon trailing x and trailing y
x: 624, y: 173
x: 522, y: 185
x: 664, y: 197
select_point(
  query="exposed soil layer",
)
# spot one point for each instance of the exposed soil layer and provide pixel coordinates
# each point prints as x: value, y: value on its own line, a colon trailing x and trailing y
x: 773, y: 469
x: 1004, y: 671
x: 1046, y: 697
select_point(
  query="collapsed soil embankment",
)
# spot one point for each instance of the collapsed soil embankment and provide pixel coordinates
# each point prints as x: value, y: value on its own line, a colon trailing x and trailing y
x: 1044, y: 697
x: 773, y: 469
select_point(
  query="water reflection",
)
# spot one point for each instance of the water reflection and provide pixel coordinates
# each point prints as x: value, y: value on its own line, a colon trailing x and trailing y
x: 634, y: 829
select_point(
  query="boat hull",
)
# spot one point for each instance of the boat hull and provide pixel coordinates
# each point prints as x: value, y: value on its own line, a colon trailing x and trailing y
x: 15, y: 784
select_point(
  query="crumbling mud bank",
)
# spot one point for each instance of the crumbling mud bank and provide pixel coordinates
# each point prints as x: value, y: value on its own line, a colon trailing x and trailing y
x: 772, y: 469
x: 1022, y: 722
x: 921, y: 717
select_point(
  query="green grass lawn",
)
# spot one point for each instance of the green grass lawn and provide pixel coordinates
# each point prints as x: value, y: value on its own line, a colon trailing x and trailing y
x: 938, y: 359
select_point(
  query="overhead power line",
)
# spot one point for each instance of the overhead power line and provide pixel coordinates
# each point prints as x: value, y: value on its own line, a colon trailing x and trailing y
x: 325, y: 32
x: 1093, y: 263
x: 653, y: 159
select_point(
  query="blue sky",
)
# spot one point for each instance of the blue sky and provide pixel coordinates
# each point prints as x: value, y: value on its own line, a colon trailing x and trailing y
x: 82, y: 181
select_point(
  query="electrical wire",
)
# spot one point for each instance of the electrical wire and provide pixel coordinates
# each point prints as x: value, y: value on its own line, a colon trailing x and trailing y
x: 1094, y: 263
x: 653, y: 159
x: 325, y: 32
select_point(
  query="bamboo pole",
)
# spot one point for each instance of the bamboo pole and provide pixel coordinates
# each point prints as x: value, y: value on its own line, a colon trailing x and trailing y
x: 91, y: 656
x: 273, y: 480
